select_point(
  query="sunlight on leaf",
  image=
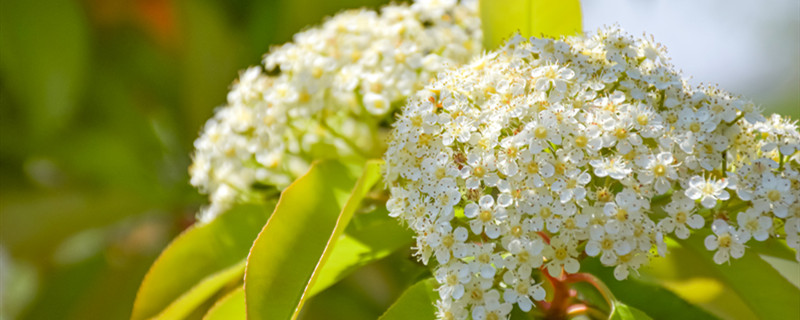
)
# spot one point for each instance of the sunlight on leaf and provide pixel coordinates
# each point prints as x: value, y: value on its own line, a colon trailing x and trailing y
x: 199, y: 262
x: 229, y: 307
x: 639, y: 293
x: 360, y: 247
x: 742, y: 295
x: 295, y: 243
x: 532, y: 18
x: 417, y: 302
x: 193, y: 298
x: 626, y: 312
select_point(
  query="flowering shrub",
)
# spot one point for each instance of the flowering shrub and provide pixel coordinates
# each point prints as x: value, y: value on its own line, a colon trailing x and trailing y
x: 516, y: 169
x: 546, y: 151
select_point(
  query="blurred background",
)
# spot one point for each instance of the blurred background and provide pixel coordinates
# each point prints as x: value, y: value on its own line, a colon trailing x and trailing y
x: 100, y: 101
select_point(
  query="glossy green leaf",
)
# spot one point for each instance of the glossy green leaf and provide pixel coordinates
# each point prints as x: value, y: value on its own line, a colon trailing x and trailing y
x: 201, y: 292
x: 749, y: 287
x: 361, y: 246
x: 294, y: 245
x: 782, y: 258
x: 199, y: 262
x: 230, y: 307
x: 417, y: 302
x: 626, y: 312
x: 639, y: 293
x: 532, y: 18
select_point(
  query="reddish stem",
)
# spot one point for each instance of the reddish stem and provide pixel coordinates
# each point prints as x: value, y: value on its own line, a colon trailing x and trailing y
x: 591, y: 279
x: 544, y: 236
x: 558, y: 307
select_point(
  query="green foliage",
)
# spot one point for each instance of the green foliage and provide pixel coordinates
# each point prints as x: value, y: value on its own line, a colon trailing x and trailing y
x: 626, y: 312
x: 229, y: 307
x: 531, y: 18
x: 415, y: 303
x: 101, y: 111
x: 743, y: 282
x: 639, y: 293
x: 292, y: 248
x: 359, y: 246
x: 200, y: 293
x: 198, y: 263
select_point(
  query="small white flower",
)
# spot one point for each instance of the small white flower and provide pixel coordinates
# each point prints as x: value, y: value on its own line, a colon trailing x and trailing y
x: 562, y: 255
x: 615, y: 168
x: 522, y: 290
x: 445, y: 242
x: 488, y: 216
x: 571, y: 186
x: 610, y: 245
x: 725, y: 241
x: 681, y: 212
x: 773, y: 194
x: 552, y: 77
x: 452, y: 277
x: 659, y: 169
x: 708, y: 191
x: 753, y: 224
x: 486, y: 260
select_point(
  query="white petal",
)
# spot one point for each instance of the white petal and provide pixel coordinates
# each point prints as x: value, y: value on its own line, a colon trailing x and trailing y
x: 621, y: 272
x: 458, y: 291
x: 721, y: 256
x: 471, y: 210
x: 539, y: 293
x: 695, y: 221
x: 461, y: 234
x: 442, y: 255
x: 487, y: 272
x: 524, y: 303
x: 476, y: 226
x: 478, y: 313
x: 709, y: 202
x: 737, y: 250
x: 693, y: 193
x: 492, y: 231
x: 711, y: 243
x: 504, y: 200
x: 572, y: 265
x: 592, y: 248
x: 554, y: 270
x: 486, y: 201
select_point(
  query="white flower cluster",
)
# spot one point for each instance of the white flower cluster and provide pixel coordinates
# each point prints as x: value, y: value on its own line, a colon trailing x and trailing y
x: 547, y: 151
x: 329, y: 93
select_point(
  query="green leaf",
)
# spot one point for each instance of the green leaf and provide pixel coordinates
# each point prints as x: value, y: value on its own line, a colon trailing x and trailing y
x: 297, y: 240
x: 749, y: 287
x: 199, y: 262
x: 626, y: 312
x: 782, y: 258
x: 361, y: 246
x: 201, y: 292
x: 45, y: 56
x: 417, y: 302
x: 532, y: 18
x: 639, y: 293
x: 230, y: 307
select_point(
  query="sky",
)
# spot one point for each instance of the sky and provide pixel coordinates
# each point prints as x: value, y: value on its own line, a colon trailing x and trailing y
x: 747, y: 47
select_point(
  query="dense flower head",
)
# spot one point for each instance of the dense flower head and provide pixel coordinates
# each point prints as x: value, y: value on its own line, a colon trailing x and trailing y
x: 329, y: 93
x: 544, y: 152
